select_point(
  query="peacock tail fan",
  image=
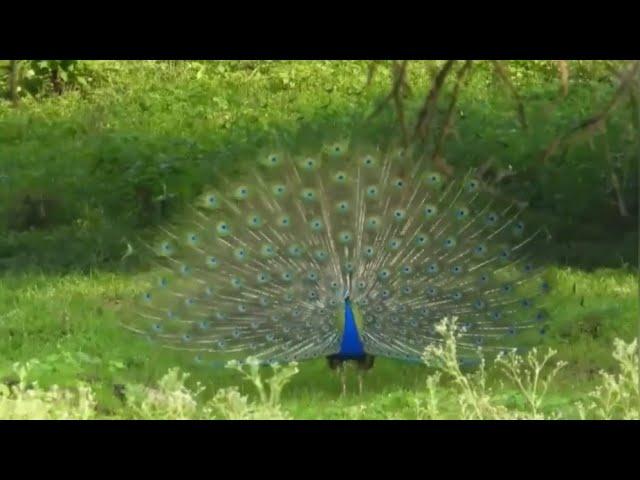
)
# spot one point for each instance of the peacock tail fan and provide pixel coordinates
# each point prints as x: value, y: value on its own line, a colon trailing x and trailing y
x: 262, y: 267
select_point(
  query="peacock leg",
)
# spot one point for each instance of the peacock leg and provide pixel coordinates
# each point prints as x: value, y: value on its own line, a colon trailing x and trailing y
x: 360, y: 380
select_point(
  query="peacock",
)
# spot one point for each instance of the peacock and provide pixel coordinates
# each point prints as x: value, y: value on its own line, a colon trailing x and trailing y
x: 346, y: 251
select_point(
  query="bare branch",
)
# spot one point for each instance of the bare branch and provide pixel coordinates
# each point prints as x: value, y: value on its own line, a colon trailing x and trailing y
x: 400, y: 75
x: 426, y: 112
x: 440, y: 163
x: 596, y: 122
x: 14, y: 69
x: 563, y: 71
x: 502, y: 73
x: 615, y: 183
x: 399, y: 71
x: 373, y: 66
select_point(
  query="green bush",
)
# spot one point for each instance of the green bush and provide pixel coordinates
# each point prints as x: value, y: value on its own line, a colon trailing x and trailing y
x: 44, y: 77
x: 137, y: 146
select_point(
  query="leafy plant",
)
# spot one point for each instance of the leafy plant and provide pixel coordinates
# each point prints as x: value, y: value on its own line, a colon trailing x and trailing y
x: 170, y: 399
x: 618, y: 396
x: 230, y: 404
x: 37, y: 77
x: 526, y: 373
x: 173, y: 399
x: 476, y: 400
x: 25, y: 400
x: 474, y: 397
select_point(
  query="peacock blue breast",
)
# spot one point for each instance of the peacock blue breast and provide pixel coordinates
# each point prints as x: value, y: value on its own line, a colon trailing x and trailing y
x: 351, y: 346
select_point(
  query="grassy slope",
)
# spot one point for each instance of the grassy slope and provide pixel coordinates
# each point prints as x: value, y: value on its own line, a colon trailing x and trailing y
x: 70, y: 322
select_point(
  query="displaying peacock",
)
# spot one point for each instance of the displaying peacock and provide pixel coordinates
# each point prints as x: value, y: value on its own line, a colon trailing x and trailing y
x: 346, y: 252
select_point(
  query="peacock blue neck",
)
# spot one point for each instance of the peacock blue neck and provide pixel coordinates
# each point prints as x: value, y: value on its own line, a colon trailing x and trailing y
x: 351, y: 346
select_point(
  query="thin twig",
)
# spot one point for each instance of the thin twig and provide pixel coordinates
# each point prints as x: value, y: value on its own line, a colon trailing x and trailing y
x: 440, y: 163
x: 397, y: 100
x: 426, y: 112
x: 563, y: 71
x: 502, y: 73
x: 13, y: 82
x: 622, y: 207
x: 398, y: 80
x: 595, y: 122
x: 399, y: 71
x: 635, y: 108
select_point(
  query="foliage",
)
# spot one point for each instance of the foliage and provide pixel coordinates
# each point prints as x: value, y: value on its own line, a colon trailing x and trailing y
x: 450, y: 392
x: 26, y: 401
x: 137, y: 146
x: 476, y: 400
x: 618, y: 396
x: 173, y: 399
x: 170, y: 399
x: 230, y: 404
x: 84, y: 173
x: 540, y: 144
x: 42, y: 77
x: 525, y: 372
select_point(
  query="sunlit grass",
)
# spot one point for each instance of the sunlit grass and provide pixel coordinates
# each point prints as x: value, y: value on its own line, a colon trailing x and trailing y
x: 68, y: 328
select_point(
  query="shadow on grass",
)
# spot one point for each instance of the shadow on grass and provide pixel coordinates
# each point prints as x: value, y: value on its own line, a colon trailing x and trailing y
x: 123, y: 185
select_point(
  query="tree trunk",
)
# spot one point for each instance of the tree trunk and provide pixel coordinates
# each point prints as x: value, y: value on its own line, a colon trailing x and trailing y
x: 13, y: 82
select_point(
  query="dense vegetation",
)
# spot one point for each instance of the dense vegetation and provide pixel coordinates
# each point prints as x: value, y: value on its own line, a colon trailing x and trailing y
x: 94, y: 155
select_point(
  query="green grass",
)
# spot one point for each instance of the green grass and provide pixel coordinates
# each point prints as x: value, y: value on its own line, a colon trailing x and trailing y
x: 97, y: 156
x: 70, y: 324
